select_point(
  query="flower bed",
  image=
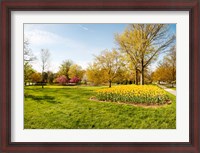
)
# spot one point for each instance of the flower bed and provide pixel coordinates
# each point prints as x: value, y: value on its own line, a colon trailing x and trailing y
x: 145, y: 94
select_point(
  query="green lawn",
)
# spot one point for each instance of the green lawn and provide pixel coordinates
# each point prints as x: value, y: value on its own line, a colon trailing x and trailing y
x: 63, y: 107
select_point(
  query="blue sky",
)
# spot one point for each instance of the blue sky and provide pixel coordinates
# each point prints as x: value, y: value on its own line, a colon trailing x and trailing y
x: 78, y: 42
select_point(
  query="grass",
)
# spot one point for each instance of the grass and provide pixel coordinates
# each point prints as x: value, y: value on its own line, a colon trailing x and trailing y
x: 63, y: 107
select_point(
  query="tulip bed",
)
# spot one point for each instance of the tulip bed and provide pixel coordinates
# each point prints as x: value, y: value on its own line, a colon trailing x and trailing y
x: 138, y: 94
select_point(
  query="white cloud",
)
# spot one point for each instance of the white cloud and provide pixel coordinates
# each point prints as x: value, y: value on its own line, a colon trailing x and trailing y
x: 61, y: 48
x: 38, y: 37
x: 45, y: 38
x: 83, y: 27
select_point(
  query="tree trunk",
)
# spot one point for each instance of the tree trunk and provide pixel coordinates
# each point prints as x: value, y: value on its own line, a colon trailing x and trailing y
x: 142, y: 77
x: 142, y: 74
x: 42, y: 79
x: 136, y: 77
x: 110, y: 83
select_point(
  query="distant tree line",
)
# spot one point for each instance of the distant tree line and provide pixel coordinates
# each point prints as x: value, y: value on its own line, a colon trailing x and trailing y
x: 139, y: 46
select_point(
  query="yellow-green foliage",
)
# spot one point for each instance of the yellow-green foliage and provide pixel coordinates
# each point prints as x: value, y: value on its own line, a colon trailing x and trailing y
x: 147, y: 94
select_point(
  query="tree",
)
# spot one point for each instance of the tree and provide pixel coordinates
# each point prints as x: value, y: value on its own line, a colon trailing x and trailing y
x: 126, y: 74
x: 109, y: 62
x: 142, y: 43
x: 76, y: 71
x: 28, y: 58
x: 84, y: 78
x: 28, y: 71
x: 125, y: 42
x: 28, y: 55
x: 95, y: 74
x: 36, y: 77
x: 74, y: 80
x: 44, y: 55
x: 62, y: 79
x: 166, y: 71
x: 45, y: 77
x: 162, y: 73
x: 171, y: 58
x: 51, y: 77
x: 64, y: 68
x: 148, y: 76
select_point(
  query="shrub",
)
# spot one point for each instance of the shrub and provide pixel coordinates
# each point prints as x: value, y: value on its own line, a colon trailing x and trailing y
x: 145, y: 94
x: 74, y: 80
x: 62, y: 79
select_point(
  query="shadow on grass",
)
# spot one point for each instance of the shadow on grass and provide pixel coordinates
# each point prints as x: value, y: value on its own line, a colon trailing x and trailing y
x: 48, y: 99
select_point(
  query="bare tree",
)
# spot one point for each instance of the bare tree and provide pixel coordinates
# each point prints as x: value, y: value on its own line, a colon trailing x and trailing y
x: 45, y: 57
x: 28, y: 55
x: 28, y: 58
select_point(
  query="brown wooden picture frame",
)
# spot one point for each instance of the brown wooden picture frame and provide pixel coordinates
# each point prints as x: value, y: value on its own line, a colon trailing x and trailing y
x: 7, y: 6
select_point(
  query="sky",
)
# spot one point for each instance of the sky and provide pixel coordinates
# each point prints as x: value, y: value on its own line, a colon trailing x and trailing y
x: 77, y: 42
